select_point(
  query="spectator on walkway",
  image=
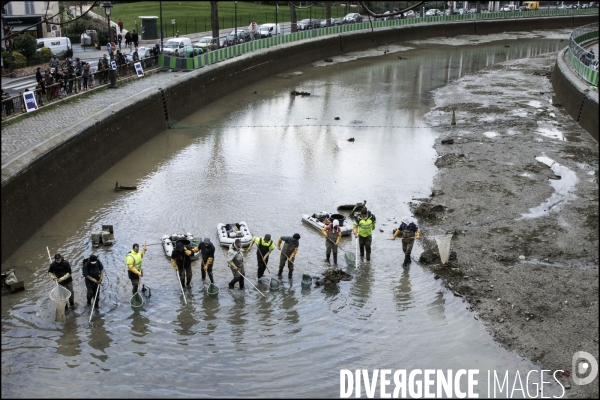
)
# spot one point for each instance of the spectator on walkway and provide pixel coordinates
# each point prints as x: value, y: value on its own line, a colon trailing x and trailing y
x: 86, y: 75
x: 119, y: 39
x: 38, y: 75
x: 127, y: 39
x: 70, y: 76
x: 134, y: 38
x: 120, y: 23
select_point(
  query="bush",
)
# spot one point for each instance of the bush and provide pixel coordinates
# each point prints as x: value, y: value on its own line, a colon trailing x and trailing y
x: 18, y: 60
x: 75, y: 39
x: 46, y: 54
x: 35, y: 59
x: 26, y: 45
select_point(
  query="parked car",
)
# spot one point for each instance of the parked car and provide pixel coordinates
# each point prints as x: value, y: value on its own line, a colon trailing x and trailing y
x: 334, y: 22
x: 410, y: 14
x: 143, y: 52
x: 352, y: 18
x: 432, y: 12
x: 522, y: 9
x: 268, y: 30
x: 243, y: 35
x: 506, y: 8
x: 473, y: 11
x: 203, y: 43
x: 306, y: 24
x: 58, y: 45
x: 383, y: 18
x: 450, y: 11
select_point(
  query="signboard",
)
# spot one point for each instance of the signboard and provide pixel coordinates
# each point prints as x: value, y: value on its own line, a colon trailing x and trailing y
x: 108, y: 48
x: 30, y: 102
x: 173, y: 21
x: 113, y: 64
x: 138, y: 69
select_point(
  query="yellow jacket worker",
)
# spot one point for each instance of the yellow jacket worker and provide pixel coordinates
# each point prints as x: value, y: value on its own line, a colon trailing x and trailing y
x: 133, y: 259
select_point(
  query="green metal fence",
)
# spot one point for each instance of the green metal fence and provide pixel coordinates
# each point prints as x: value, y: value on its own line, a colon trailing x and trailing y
x: 583, y: 61
x: 237, y: 50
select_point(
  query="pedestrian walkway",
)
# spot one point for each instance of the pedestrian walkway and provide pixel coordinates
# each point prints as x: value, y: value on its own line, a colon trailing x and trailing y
x: 36, y: 133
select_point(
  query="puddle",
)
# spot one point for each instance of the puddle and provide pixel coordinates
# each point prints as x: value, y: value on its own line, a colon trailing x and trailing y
x: 562, y: 189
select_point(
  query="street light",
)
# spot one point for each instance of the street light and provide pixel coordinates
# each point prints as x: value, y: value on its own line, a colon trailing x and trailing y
x: 113, y: 74
x: 236, y: 39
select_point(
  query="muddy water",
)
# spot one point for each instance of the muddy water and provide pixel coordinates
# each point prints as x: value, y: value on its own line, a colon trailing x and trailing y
x: 262, y: 156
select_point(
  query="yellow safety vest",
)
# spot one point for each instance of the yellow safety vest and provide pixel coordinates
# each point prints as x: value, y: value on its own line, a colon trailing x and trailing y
x: 134, y: 259
x: 365, y: 226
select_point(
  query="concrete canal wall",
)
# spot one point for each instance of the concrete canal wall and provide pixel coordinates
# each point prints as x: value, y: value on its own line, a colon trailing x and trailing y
x: 38, y: 189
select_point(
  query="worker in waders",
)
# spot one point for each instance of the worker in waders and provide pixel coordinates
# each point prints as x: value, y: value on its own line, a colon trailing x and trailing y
x: 364, y: 225
x: 93, y: 273
x: 264, y: 247
x: 133, y: 259
x: 235, y: 259
x: 207, y: 250
x: 409, y: 232
x: 290, y: 248
x: 60, y: 271
x: 333, y: 234
x: 182, y: 263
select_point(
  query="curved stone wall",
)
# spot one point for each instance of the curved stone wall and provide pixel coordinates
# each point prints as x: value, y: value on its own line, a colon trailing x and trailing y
x: 29, y: 196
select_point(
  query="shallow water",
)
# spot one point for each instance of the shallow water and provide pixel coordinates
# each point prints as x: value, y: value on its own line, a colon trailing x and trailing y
x: 266, y: 158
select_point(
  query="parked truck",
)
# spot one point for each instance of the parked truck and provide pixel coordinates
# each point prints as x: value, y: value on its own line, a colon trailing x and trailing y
x: 532, y: 5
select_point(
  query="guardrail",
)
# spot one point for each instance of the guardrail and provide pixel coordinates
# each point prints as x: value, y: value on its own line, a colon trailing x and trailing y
x: 15, y: 105
x: 583, y: 61
x: 182, y: 63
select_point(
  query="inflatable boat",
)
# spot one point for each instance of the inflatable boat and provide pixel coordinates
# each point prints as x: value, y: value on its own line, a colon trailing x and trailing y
x: 229, y: 232
x: 322, y: 219
x: 168, y: 243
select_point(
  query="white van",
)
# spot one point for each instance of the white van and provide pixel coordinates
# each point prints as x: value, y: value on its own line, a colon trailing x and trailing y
x: 58, y: 45
x: 268, y: 30
x: 183, y: 46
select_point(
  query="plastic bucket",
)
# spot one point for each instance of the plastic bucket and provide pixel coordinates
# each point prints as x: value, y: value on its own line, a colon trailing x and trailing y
x: 339, y: 217
x: 60, y: 295
x: 213, y: 290
x: 306, y: 281
x: 184, y: 241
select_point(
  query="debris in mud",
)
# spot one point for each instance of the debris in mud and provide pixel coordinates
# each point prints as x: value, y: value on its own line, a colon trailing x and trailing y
x: 119, y: 188
x: 297, y: 93
x: 337, y: 118
x: 448, y: 160
x: 447, y: 141
x: 351, y: 139
x: 429, y: 257
x: 328, y: 60
x: 402, y: 58
x: 428, y: 210
x: 331, y: 277
x: 436, y: 192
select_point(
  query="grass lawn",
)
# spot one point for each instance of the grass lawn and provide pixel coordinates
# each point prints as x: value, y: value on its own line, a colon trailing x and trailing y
x: 194, y: 16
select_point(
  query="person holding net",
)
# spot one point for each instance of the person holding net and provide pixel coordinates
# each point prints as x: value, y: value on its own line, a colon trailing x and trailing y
x: 60, y: 271
x: 264, y: 247
x: 333, y: 234
x: 409, y: 231
x: 364, y: 225
x: 133, y: 260
x: 182, y: 263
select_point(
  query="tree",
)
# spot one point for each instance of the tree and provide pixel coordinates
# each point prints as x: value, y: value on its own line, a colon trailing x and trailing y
x: 214, y: 20
x: 328, y: 13
x: 293, y: 18
x: 26, y: 45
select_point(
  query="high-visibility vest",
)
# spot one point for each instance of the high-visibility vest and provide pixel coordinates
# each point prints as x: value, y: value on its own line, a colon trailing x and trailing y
x: 365, y: 226
x: 135, y: 259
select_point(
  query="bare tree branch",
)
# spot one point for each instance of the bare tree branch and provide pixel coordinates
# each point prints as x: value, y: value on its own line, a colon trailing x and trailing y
x: 372, y: 14
x: 46, y: 20
x: 300, y: 8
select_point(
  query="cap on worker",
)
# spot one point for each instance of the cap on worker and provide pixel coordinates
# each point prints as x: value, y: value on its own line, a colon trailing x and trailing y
x: 296, y: 236
x: 135, y: 245
x: 267, y: 237
x: 179, y: 246
x: 206, y: 240
x: 237, y: 243
x: 93, y: 259
x: 57, y: 256
x: 363, y: 211
x: 405, y: 220
x: 336, y: 222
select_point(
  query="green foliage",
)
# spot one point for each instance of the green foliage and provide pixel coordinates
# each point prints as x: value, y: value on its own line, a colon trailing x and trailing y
x: 35, y: 59
x: 14, y: 59
x: 75, y: 39
x: 26, y: 45
x: 45, y: 55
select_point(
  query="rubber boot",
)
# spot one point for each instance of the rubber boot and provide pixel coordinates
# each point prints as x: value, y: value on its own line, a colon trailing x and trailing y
x: 334, y: 258
x: 231, y: 283
x: 368, y: 255
x: 327, y: 259
x: 280, y: 273
x: 89, y: 301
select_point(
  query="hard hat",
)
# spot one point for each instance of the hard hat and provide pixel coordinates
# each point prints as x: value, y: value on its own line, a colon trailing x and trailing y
x: 336, y: 222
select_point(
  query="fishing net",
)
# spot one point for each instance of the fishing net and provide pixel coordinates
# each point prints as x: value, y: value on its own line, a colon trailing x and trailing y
x: 306, y: 281
x: 213, y: 290
x: 60, y: 295
x: 443, y: 242
x: 137, y: 301
x: 350, y: 259
x: 274, y: 284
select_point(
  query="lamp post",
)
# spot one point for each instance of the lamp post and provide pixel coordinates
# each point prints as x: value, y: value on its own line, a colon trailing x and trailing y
x: 113, y: 74
x: 235, y: 13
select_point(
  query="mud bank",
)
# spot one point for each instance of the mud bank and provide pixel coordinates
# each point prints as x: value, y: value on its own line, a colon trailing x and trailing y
x: 520, y: 189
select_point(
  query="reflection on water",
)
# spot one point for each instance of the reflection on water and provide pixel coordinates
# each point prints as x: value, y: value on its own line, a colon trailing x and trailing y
x: 265, y: 158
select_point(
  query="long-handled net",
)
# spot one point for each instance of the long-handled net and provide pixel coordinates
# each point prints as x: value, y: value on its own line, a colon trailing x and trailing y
x: 306, y: 281
x: 137, y: 300
x: 213, y: 290
x: 443, y: 243
x: 60, y: 295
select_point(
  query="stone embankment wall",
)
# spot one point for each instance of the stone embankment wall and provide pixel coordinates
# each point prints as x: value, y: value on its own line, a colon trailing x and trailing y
x: 30, y: 197
x: 575, y: 95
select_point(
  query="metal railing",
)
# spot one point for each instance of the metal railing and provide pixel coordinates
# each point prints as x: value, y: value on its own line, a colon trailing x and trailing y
x: 583, y: 61
x: 15, y: 105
